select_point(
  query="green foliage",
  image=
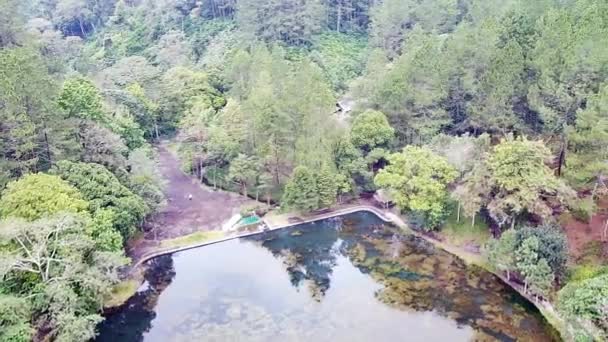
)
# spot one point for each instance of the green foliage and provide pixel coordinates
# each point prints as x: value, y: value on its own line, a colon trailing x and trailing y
x: 586, y: 271
x: 58, y: 272
x: 522, y: 179
x: 293, y: 22
x: 145, y: 179
x: 80, y: 99
x: 552, y: 246
x: 14, y: 319
x: 583, y: 209
x: 301, y: 190
x: 103, y: 190
x: 38, y: 195
x: 417, y: 180
x: 341, y: 58
x: 588, y: 141
x: 586, y: 301
x: 500, y: 252
x: 371, y: 129
x: 244, y: 170
x: 327, y: 187
x: 106, y: 238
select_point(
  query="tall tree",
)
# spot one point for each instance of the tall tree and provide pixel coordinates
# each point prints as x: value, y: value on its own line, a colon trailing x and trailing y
x: 417, y: 180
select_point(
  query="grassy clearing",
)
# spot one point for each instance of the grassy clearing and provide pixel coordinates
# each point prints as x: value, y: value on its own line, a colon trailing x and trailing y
x: 460, y: 233
x: 194, y: 238
x: 121, y: 292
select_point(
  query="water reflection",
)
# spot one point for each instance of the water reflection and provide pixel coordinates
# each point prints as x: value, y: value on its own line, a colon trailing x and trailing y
x: 362, y: 281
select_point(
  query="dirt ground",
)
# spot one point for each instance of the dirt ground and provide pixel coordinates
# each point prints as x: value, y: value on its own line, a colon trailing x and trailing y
x: 207, y: 210
x: 585, y: 239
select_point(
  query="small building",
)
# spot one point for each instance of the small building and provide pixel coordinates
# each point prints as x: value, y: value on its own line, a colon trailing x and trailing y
x: 383, y: 198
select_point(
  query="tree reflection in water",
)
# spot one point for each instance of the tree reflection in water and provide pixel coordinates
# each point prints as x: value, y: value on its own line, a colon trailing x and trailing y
x: 415, y: 275
x: 139, y: 311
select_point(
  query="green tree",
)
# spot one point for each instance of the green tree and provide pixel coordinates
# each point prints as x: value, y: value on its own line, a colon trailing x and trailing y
x: 301, y: 190
x: 588, y: 142
x: 104, y: 191
x: 501, y: 254
x: 38, y: 195
x: 327, y: 187
x: 79, y: 98
x: 585, y: 301
x: 527, y: 258
x: 540, y: 278
x: 15, y: 313
x: 522, y: 180
x: 290, y: 21
x: 553, y: 246
x: 244, y: 170
x: 54, y: 264
x: 371, y: 129
x: 145, y: 179
x: 107, y: 238
x: 417, y: 180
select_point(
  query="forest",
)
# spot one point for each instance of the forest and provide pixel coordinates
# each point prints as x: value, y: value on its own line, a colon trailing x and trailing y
x: 495, y: 112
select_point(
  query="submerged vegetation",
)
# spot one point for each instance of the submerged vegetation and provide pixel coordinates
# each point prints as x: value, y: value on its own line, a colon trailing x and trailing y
x: 491, y: 111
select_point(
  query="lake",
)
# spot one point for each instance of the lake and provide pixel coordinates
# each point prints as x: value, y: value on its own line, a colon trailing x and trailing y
x: 351, y: 278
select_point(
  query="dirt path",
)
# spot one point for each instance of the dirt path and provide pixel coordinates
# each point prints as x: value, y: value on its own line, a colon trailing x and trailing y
x: 207, y: 210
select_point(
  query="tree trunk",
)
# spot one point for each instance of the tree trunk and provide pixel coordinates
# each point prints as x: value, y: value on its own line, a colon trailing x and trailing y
x: 156, y: 129
x: 268, y: 199
x: 562, y: 153
x: 513, y: 223
x: 257, y: 194
x: 458, y: 213
x: 339, y: 17
x: 81, y: 27
x: 508, y: 275
x: 473, y: 221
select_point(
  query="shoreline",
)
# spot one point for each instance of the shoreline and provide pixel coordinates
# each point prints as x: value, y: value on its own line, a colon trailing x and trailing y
x: 544, y: 307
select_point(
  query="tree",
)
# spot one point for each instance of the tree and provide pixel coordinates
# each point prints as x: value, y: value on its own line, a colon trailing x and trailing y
x: 371, y: 129
x: 31, y: 135
x: 244, y: 170
x: 553, y: 246
x: 15, y: 313
x: 104, y: 191
x: 39, y: 195
x: 327, y: 187
x: 301, y: 190
x: 585, y: 300
x: 588, y: 143
x: 501, y: 254
x: 417, y: 180
x: 145, y: 179
x: 522, y: 181
x: 80, y: 99
x: 100, y: 145
x: 527, y: 258
x: 107, y: 238
x: 289, y: 21
x: 540, y: 278
x: 53, y: 263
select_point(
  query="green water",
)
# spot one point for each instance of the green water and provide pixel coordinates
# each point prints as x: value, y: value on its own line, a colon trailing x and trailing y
x: 348, y: 279
x: 249, y: 220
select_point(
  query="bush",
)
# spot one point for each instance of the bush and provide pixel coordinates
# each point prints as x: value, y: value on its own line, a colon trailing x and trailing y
x: 584, y: 272
x: 583, y: 209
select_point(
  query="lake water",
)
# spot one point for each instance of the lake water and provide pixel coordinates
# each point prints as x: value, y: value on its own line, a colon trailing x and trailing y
x: 343, y: 279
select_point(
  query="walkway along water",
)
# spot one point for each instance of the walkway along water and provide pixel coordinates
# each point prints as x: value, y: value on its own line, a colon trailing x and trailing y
x: 281, y: 222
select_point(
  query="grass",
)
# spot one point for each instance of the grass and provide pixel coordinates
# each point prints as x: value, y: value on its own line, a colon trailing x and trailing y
x: 121, y: 292
x: 194, y: 238
x: 460, y: 233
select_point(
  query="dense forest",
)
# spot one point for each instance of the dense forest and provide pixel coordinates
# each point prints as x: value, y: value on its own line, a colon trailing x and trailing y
x: 495, y: 110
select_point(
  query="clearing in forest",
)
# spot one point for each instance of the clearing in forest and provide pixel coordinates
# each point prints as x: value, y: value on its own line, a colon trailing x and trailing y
x: 207, y: 210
